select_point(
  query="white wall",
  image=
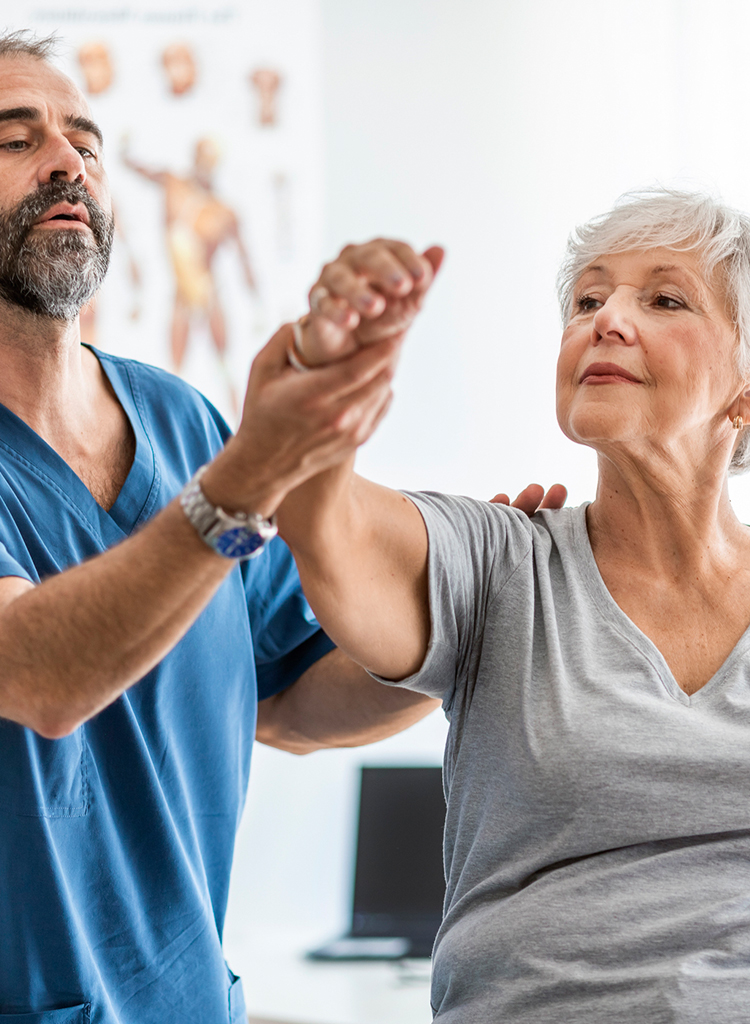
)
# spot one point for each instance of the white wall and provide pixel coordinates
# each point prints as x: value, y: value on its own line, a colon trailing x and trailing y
x: 492, y: 128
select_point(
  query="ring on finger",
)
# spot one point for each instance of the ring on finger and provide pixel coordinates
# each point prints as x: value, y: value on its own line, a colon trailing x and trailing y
x: 318, y: 293
x: 294, y: 353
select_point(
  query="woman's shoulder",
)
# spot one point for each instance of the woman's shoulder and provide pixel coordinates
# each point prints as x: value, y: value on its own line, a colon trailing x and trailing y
x: 455, y: 511
x: 479, y: 539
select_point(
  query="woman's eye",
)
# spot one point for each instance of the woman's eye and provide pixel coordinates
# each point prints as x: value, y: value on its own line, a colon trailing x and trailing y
x: 587, y: 304
x: 15, y: 145
x: 668, y: 302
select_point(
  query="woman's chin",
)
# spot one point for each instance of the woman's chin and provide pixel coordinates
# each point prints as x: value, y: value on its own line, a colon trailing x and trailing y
x: 598, y: 426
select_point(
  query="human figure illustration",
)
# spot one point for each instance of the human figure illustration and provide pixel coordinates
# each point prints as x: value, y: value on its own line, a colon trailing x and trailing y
x: 197, y: 225
x: 267, y: 82
x: 95, y: 62
x: 179, y: 63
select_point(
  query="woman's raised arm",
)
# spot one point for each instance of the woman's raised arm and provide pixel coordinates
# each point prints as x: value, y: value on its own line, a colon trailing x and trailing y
x: 361, y: 549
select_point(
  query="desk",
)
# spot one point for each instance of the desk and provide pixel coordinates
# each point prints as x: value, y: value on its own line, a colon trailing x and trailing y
x: 280, y: 986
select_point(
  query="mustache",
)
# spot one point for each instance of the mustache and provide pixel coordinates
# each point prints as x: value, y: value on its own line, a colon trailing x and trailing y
x: 23, y: 216
x: 53, y: 273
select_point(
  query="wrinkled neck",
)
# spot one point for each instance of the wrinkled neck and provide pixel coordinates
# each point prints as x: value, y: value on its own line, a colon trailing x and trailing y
x: 666, y: 515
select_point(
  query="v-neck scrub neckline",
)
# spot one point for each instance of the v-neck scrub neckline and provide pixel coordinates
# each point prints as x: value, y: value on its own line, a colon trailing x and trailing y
x: 137, y: 498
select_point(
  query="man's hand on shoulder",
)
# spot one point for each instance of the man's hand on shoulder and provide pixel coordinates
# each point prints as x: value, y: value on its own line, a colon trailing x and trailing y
x: 533, y: 497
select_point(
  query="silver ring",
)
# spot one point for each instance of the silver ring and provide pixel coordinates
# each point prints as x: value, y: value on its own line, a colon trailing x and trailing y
x: 294, y: 354
x: 318, y: 293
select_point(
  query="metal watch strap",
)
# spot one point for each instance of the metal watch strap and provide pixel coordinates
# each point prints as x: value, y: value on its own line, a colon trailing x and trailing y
x: 240, y: 535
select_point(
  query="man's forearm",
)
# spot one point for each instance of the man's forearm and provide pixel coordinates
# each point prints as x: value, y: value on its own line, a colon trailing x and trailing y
x: 335, y: 703
x: 73, y: 644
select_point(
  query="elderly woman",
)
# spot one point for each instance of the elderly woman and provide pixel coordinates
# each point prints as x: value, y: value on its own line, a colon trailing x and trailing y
x: 594, y: 662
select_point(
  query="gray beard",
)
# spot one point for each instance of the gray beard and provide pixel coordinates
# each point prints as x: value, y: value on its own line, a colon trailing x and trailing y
x: 47, y: 272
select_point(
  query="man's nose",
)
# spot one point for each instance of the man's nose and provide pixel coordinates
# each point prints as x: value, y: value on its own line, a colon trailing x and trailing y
x: 615, y: 321
x: 62, y: 162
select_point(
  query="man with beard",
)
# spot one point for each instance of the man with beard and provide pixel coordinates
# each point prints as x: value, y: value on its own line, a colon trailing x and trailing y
x: 133, y: 629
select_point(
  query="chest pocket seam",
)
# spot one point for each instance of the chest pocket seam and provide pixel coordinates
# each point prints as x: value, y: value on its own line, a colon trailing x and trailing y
x: 44, y: 784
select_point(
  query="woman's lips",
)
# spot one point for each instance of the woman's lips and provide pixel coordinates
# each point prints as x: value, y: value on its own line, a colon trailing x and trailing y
x: 607, y: 373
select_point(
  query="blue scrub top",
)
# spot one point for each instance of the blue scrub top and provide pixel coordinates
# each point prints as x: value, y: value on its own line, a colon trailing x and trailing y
x: 116, y: 842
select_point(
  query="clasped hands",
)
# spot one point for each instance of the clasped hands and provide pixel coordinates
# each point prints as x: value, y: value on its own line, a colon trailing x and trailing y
x: 296, y: 425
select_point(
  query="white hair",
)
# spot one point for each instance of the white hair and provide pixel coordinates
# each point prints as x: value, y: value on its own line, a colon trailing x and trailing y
x: 685, y: 222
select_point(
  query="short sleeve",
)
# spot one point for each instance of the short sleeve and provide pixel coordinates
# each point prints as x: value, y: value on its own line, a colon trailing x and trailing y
x: 286, y: 635
x: 474, y: 549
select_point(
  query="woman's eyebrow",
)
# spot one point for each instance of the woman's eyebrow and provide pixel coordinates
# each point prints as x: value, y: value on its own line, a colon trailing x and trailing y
x: 666, y: 268
x: 597, y: 268
x: 672, y: 268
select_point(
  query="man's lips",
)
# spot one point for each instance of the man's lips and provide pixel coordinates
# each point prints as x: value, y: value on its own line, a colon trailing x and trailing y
x: 607, y: 373
x: 62, y: 214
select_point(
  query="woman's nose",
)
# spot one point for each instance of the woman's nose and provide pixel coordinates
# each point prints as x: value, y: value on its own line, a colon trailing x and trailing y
x: 614, y: 321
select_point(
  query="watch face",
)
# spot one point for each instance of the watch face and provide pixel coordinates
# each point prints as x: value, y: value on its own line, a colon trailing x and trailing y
x: 238, y: 543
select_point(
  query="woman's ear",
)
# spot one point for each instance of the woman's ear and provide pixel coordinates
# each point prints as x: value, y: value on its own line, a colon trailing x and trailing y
x: 739, y: 412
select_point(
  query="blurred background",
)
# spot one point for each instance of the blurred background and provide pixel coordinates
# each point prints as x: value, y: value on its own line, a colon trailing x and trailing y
x: 247, y: 142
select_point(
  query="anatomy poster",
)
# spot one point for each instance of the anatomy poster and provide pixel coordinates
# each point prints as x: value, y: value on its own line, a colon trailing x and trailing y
x: 212, y: 124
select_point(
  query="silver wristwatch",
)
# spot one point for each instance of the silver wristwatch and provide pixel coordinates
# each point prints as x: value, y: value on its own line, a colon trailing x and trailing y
x: 242, y: 535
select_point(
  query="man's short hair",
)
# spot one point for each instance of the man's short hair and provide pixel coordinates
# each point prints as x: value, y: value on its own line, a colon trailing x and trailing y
x: 26, y: 44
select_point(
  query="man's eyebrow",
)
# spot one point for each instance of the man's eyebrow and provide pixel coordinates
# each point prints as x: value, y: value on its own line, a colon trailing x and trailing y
x: 20, y: 114
x: 85, y: 124
x: 76, y: 122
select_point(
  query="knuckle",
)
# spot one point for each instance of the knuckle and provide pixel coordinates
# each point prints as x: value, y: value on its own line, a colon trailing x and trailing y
x: 346, y: 423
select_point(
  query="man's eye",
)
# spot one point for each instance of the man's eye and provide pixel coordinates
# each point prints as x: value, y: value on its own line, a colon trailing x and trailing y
x: 86, y: 152
x: 587, y: 304
x: 15, y: 145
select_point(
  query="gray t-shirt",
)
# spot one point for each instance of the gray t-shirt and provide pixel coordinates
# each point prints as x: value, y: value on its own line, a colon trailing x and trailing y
x: 597, y: 845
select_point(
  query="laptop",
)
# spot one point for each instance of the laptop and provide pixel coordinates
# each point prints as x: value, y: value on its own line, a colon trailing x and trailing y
x: 399, y: 884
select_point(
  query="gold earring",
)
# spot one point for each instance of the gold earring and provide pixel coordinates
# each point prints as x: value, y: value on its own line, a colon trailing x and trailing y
x: 738, y: 423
